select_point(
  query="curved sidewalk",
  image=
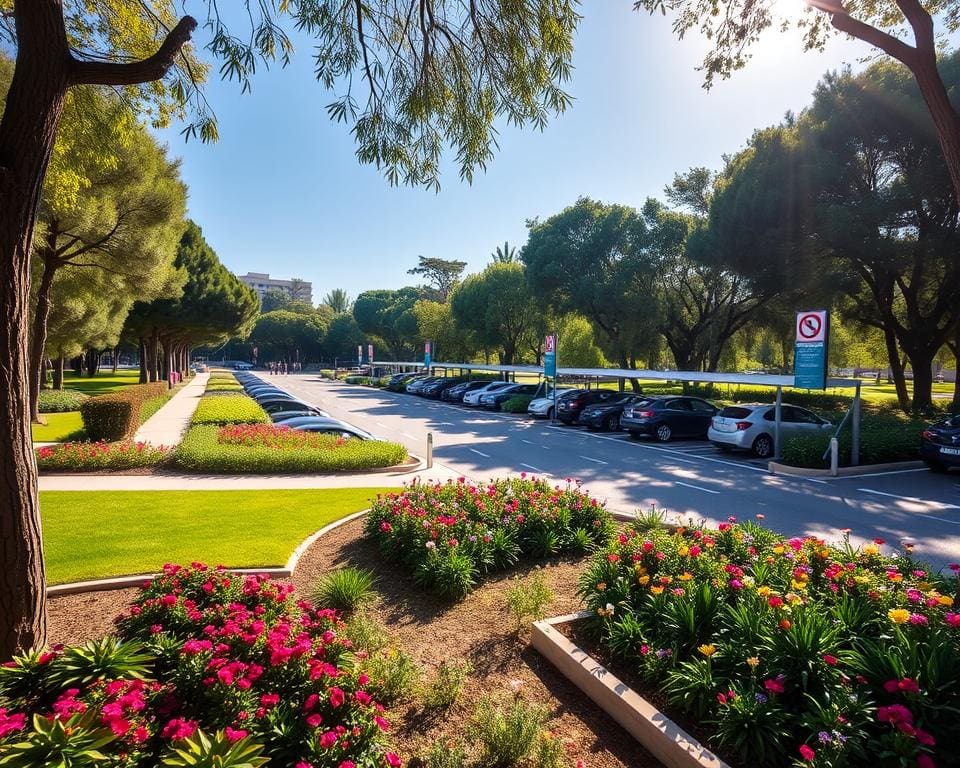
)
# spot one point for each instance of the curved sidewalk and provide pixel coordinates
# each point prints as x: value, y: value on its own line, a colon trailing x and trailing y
x: 166, y: 426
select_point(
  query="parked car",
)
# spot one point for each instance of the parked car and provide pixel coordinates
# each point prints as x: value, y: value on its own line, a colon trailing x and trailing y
x: 750, y: 427
x: 328, y: 426
x: 399, y: 381
x: 286, y: 404
x: 273, y: 395
x: 493, y: 400
x: 416, y: 385
x: 295, y: 413
x: 456, y: 393
x: 606, y: 415
x: 434, y: 389
x: 543, y: 406
x: 940, y: 444
x: 668, y: 417
x: 242, y: 366
x: 472, y: 399
x: 568, y: 409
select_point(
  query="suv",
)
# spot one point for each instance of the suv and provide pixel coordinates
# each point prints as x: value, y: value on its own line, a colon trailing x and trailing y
x: 750, y: 427
x: 568, y: 409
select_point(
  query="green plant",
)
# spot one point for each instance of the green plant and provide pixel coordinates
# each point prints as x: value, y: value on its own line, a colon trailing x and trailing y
x: 364, y: 631
x: 516, y: 404
x: 447, y: 685
x: 117, y: 415
x: 86, y: 456
x: 527, y: 599
x: 228, y: 409
x: 394, y: 675
x: 73, y: 743
x: 105, y: 658
x: 443, y: 754
x: 61, y: 400
x: 345, y: 589
x: 216, y: 751
x: 549, y: 752
x: 506, y: 735
x: 448, y: 572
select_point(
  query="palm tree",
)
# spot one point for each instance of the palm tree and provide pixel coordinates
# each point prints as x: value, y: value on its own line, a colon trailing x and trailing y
x: 337, y: 300
x: 505, y: 255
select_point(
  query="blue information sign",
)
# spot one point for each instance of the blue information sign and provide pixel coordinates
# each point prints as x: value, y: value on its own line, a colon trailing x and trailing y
x: 550, y: 356
x: 427, y: 357
x: 810, y: 365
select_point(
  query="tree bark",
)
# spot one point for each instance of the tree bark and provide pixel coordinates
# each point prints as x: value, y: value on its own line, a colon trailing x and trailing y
x: 58, y: 365
x: 922, y: 364
x: 142, y: 349
x: 40, y: 318
x: 153, y: 351
x: 896, y: 369
x: 115, y: 351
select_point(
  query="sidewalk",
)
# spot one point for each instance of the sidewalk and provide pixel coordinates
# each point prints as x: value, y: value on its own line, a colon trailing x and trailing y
x: 166, y: 426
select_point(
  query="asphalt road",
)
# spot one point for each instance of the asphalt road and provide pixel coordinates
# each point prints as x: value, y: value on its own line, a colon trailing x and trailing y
x: 690, y: 479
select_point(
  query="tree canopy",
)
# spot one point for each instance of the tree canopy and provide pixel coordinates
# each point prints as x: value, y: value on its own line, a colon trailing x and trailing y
x: 441, y: 275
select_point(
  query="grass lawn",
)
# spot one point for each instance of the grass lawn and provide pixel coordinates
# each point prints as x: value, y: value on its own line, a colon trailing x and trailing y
x: 98, y: 534
x: 102, y: 382
x: 59, y: 428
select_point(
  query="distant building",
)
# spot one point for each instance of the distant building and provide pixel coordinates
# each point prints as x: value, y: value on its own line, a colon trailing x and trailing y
x: 262, y: 282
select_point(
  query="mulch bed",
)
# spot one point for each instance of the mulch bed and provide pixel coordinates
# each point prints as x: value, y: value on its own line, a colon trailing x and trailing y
x: 478, y: 629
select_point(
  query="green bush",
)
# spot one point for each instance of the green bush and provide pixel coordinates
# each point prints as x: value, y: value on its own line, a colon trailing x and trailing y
x: 345, y: 589
x: 117, y: 415
x: 448, y: 684
x: 61, y: 400
x: 394, y: 675
x: 883, y: 438
x: 517, y: 404
x: 528, y: 599
x: 201, y: 451
x: 229, y: 409
x: 364, y: 380
x: 223, y: 387
x: 85, y: 456
x: 507, y: 736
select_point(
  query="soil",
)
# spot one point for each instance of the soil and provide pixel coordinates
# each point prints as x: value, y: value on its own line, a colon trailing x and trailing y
x: 432, y: 630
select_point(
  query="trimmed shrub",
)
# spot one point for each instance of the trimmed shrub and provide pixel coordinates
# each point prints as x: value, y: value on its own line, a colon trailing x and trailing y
x: 883, y: 438
x: 61, y: 400
x: 363, y: 380
x: 224, y: 387
x: 86, y: 456
x: 517, y: 404
x: 229, y: 409
x: 208, y: 669
x: 117, y: 415
x: 202, y: 451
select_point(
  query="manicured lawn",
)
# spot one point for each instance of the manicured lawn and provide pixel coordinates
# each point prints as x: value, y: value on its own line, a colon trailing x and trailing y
x: 102, y: 382
x: 97, y: 534
x: 59, y: 427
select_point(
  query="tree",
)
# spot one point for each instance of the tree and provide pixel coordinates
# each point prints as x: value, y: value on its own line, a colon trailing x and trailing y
x: 505, y: 255
x: 576, y: 345
x: 733, y: 25
x: 290, y: 336
x: 589, y: 259
x: 441, y: 274
x: 443, y: 79
x: 338, y: 300
x: 343, y: 337
x: 435, y: 323
x: 389, y: 315
x: 274, y: 299
x: 497, y: 306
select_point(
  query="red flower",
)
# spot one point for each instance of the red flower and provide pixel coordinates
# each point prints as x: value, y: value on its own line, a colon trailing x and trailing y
x: 392, y: 760
x: 774, y: 684
x: 831, y: 660
x: 807, y: 753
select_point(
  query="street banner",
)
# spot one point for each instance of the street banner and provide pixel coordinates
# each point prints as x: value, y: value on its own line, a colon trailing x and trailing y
x: 550, y: 356
x: 427, y: 359
x: 370, y: 354
x: 811, y: 350
x: 359, y: 354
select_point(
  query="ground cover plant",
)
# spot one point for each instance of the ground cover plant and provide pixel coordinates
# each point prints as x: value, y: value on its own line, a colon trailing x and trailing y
x: 58, y: 427
x: 517, y: 404
x: 791, y: 651
x: 60, y: 400
x: 73, y: 457
x: 450, y: 535
x: 101, y: 383
x: 207, y: 669
x: 884, y: 437
x: 268, y: 449
x: 229, y: 409
x: 98, y: 534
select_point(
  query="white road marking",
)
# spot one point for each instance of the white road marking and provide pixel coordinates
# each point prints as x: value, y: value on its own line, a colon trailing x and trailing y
x: 695, y: 487
x: 381, y: 424
x: 528, y: 442
x: 685, y: 461
x: 882, y: 474
x: 914, y: 499
x: 408, y: 435
x: 480, y: 453
x: 535, y: 469
x: 597, y: 461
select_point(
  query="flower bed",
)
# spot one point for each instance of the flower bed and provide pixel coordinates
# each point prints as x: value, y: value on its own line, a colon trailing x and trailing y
x: 229, y: 409
x: 265, y: 449
x: 451, y: 534
x: 102, y: 455
x: 60, y: 400
x: 792, y: 652
x: 209, y: 669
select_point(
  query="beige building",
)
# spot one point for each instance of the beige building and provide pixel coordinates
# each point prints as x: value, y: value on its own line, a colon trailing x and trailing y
x: 261, y: 282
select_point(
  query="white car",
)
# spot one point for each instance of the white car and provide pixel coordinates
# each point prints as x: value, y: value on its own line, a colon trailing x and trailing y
x: 472, y: 399
x: 543, y: 406
x: 750, y: 427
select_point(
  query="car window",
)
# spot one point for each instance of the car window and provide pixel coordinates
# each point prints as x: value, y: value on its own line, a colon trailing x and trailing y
x: 735, y: 412
x: 771, y: 415
x: 677, y: 405
x: 701, y: 406
x: 803, y: 416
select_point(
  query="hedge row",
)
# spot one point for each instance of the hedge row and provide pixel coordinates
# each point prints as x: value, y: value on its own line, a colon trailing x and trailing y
x: 201, y: 451
x: 883, y: 438
x: 117, y: 415
x: 61, y: 400
x: 517, y: 404
x: 229, y: 409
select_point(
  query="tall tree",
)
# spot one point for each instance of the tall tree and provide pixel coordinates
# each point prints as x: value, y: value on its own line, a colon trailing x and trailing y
x: 338, y: 300
x: 733, y: 26
x: 274, y: 299
x: 435, y: 73
x: 441, y: 275
x: 389, y: 315
x: 343, y: 337
x: 290, y: 336
x: 505, y: 255
x: 436, y: 323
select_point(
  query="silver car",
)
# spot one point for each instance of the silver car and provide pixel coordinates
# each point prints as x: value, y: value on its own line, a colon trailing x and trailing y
x: 473, y: 398
x: 750, y: 427
x: 543, y: 406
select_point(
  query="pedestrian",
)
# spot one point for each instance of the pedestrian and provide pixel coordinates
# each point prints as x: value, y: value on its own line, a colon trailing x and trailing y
x: 284, y: 364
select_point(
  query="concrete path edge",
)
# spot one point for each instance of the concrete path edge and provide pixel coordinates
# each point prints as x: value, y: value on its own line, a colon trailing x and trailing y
x: 864, y: 469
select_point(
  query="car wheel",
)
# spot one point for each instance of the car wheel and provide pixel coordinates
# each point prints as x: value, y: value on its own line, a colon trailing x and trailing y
x: 550, y: 414
x: 763, y: 447
x: 613, y: 422
x: 664, y: 433
x: 936, y: 466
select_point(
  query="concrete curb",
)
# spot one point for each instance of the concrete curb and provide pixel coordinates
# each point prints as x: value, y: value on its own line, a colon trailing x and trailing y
x: 137, y: 580
x: 863, y: 469
x: 662, y: 737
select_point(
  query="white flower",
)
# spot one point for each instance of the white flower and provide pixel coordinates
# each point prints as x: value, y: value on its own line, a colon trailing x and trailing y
x: 431, y: 545
x: 609, y: 609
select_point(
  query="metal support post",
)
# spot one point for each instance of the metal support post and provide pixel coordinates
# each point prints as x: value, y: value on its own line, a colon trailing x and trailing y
x: 834, y: 456
x: 776, y: 424
x: 429, y: 450
x: 855, y: 427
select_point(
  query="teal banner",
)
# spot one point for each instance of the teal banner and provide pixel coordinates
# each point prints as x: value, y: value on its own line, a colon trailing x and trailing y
x: 810, y: 365
x: 550, y: 356
x: 427, y: 357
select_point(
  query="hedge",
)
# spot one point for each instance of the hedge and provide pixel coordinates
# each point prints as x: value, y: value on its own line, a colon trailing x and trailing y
x: 201, y: 451
x: 223, y: 387
x: 86, y: 456
x: 229, y: 409
x: 517, y: 404
x: 61, y: 400
x: 883, y: 438
x: 117, y: 415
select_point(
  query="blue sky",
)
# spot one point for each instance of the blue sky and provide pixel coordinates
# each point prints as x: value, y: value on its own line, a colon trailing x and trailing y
x: 282, y: 192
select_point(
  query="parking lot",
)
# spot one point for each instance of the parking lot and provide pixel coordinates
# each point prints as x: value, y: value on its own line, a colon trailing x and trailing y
x: 688, y: 478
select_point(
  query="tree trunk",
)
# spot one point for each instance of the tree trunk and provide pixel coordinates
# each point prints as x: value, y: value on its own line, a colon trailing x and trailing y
x: 153, y: 351
x: 115, y: 351
x: 27, y: 132
x: 944, y: 116
x: 896, y: 369
x: 58, y: 372
x: 142, y: 349
x: 40, y: 317
x: 922, y: 364
x: 93, y: 362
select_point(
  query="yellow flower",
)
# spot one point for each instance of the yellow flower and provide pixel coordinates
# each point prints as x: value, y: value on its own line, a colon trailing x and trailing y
x: 764, y: 591
x: 656, y: 589
x: 792, y: 597
x: 779, y: 549
x: 683, y: 551
x: 899, y: 615
x: 644, y: 580
x: 924, y: 586
x: 871, y: 549
x: 686, y: 576
x: 738, y: 535
x: 798, y: 585
x: 945, y: 600
x: 708, y: 649
x: 753, y: 661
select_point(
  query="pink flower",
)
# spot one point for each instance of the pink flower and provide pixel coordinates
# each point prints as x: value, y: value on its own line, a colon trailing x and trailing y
x: 314, y: 720
x: 774, y: 684
x: 807, y: 753
x: 234, y: 734
x: 392, y: 760
x: 328, y: 739
x: 337, y: 697
x: 831, y: 660
x: 925, y: 761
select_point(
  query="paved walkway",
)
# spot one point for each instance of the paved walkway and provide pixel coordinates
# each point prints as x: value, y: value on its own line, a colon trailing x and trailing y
x: 166, y: 426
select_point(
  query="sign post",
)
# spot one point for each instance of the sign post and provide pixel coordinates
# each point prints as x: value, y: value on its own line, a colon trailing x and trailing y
x: 550, y: 367
x: 359, y: 355
x: 427, y: 357
x: 370, y: 357
x: 811, y: 349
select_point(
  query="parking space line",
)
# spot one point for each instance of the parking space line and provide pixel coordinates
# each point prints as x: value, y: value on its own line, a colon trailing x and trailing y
x: 685, y: 461
x: 535, y: 469
x: 480, y: 453
x: 408, y: 435
x: 597, y: 461
x: 381, y: 424
x: 695, y: 487
x: 914, y: 499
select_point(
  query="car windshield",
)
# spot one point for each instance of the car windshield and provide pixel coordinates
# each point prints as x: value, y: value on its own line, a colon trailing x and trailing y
x: 735, y: 412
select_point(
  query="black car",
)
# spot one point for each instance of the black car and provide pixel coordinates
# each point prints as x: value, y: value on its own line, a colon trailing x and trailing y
x: 569, y: 408
x: 940, y: 444
x: 287, y: 404
x: 399, y: 381
x: 455, y: 393
x: 606, y: 414
x: 495, y: 399
x: 435, y: 389
x: 668, y: 417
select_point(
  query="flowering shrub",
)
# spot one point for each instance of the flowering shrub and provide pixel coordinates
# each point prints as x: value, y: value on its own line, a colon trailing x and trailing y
x: 229, y: 409
x: 102, y: 455
x: 449, y: 534
x: 210, y: 668
x: 792, y: 651
x: 264, y: 448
